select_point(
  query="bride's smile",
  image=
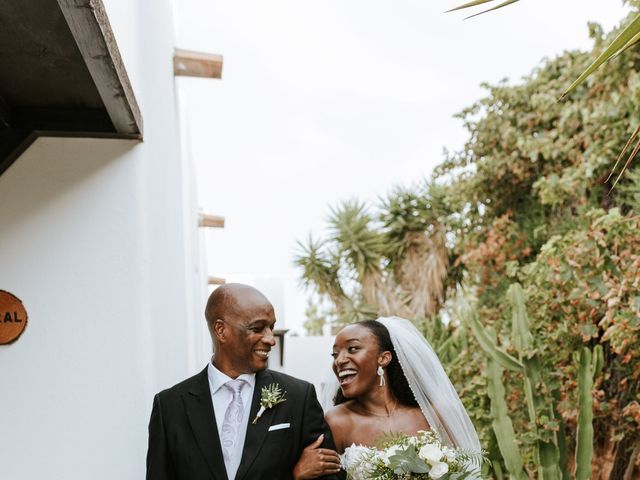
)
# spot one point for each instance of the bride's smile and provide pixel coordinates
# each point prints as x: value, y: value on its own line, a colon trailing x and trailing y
x: 356, y: 356
x: 346, y: 376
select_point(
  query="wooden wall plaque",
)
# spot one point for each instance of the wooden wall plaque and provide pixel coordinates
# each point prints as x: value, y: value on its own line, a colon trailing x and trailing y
x: 13, y: 318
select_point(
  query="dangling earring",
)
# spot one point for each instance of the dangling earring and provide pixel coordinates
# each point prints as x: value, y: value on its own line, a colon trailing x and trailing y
x: 380, y: 373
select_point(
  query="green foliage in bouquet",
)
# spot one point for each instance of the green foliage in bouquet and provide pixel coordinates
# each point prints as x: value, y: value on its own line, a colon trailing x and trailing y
x: 423, y: 456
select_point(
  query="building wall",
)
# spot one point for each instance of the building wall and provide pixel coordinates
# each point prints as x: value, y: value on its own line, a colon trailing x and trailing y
x: 309, y: 358
x: 99, y: 239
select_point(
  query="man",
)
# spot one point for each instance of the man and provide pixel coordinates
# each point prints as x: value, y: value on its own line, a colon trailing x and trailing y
x: 208, y: 427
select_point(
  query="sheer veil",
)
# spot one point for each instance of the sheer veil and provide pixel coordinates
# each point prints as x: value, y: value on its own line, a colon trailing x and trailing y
x: 431, y: 386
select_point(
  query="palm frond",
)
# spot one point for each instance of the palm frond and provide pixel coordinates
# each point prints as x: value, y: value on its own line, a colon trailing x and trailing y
x: 620, y: 42
x: 361, y: 245
x: 469, y: 5
x: 504, y: 4
x: 632, y: 138
x: 634, y: 41
x: 630, y: 189
x: 319, y: 270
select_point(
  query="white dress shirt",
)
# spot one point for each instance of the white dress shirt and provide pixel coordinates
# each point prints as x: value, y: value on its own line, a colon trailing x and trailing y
x: 221, y: 398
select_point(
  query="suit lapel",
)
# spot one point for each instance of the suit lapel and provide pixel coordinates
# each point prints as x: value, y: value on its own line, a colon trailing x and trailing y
x: 257, y: 433
x: 199, y: 408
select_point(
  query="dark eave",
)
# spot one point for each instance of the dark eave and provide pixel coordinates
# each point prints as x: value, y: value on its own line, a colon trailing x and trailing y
x: 61, y: 74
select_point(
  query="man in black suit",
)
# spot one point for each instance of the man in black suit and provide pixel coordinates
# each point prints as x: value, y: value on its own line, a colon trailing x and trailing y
x: 202, y: 428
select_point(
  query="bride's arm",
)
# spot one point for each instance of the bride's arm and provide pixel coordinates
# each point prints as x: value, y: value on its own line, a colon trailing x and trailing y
x: 316, y: 462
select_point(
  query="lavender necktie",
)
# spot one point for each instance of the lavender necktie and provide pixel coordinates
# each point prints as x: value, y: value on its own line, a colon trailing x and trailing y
x: 231, y: 426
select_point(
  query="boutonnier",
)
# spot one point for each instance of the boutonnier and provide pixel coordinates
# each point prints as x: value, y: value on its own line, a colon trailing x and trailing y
x: 271, y: 396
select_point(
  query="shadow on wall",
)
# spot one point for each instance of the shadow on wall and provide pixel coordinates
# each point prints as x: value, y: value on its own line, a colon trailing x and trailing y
x: 50, y: 170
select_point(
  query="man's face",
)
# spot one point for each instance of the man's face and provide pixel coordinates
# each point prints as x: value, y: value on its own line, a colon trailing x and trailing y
x: 249, y: 336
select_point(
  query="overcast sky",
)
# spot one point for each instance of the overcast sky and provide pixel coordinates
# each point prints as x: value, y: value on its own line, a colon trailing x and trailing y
x: 321, y: 101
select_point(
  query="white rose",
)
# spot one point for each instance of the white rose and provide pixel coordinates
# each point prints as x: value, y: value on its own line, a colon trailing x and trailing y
x: 353, y: 455
x: 388, y: 453
x: 438, y: 470
x: 430, y: 453
x: 450, y: 454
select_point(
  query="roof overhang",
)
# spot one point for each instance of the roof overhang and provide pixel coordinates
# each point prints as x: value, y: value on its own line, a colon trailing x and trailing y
x: 61, y: 74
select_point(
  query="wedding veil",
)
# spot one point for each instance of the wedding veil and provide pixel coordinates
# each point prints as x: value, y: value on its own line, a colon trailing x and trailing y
x: 431, y: 386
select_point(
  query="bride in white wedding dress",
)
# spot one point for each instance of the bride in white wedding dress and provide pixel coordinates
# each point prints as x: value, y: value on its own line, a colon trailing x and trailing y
x: 390, y: 381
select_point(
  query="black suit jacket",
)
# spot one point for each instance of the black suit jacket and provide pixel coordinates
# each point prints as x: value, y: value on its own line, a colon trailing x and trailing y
x: 184, y: 442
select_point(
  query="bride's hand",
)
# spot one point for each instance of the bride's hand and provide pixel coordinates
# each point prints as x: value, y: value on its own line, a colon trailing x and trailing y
x: 316, y: 462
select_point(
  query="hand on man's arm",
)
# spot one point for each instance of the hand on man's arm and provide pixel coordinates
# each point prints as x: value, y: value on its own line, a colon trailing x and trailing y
x: 316, y: 462
x: 319, y: 458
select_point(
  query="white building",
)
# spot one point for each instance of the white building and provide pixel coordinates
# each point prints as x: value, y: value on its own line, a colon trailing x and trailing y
x: 99, y: 237
x: 309, y: 358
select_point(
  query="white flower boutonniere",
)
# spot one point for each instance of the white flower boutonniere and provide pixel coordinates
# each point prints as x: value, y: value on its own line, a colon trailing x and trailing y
x: 271, y: 396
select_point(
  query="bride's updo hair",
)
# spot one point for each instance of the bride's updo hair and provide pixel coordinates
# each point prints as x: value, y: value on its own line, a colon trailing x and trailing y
x: 397, y: 381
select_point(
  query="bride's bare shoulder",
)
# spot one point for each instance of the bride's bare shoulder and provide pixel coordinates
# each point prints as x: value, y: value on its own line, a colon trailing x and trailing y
x: 341, y: 415
x: 340, y: 421
x: 411, y: 419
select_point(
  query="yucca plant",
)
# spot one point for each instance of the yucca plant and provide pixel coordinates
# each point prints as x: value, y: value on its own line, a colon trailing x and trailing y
x: 391, y: 262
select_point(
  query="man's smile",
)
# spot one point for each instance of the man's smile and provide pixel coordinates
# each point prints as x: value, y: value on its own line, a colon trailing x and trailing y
x: 262, y: 353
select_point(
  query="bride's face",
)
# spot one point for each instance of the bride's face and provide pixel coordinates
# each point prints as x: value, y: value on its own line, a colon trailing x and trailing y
x: 356, y: 356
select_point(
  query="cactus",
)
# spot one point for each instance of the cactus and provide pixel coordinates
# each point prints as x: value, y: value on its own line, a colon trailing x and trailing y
x: 487, y: 343
x: 551, y: 456
x: 589, y: 365
x: 547, y: 454
x: 502, y: 425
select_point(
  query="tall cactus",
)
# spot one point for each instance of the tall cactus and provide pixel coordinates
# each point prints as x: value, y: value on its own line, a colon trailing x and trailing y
x: 502, y: 425
x: 550, y: 455
x: 498, y: 360
x: 547, y: 454
x: 589, y: 365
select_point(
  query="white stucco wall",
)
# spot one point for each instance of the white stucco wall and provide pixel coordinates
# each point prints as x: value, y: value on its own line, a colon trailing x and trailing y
x: 99, y: 239
x: 309, y: 358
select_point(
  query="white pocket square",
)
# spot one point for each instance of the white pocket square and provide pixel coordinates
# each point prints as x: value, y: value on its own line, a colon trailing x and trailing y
x: 279, y: 426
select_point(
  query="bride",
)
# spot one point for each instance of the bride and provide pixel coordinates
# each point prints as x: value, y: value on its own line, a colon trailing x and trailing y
x: 390, y: 381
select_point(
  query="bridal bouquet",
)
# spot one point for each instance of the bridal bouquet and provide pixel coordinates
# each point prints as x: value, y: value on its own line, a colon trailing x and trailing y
x: 410, y: 457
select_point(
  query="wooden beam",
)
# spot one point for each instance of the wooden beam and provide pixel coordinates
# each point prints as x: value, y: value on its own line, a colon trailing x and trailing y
x: 216, y: 281
x: 62, y: 120
x: 5, y: 114
x: 214, y: 221
x: 188, y: 63
x: 92, y: 32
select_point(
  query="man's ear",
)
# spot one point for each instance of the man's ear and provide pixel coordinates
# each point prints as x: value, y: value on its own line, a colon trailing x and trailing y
x: 218, y: 331
x: 384, y: 358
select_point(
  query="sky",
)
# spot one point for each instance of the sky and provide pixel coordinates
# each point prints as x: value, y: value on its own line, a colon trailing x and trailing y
x: 324, y: 101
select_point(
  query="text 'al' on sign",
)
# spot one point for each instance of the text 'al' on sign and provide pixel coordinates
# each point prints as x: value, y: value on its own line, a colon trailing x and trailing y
x: 13, y: 318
